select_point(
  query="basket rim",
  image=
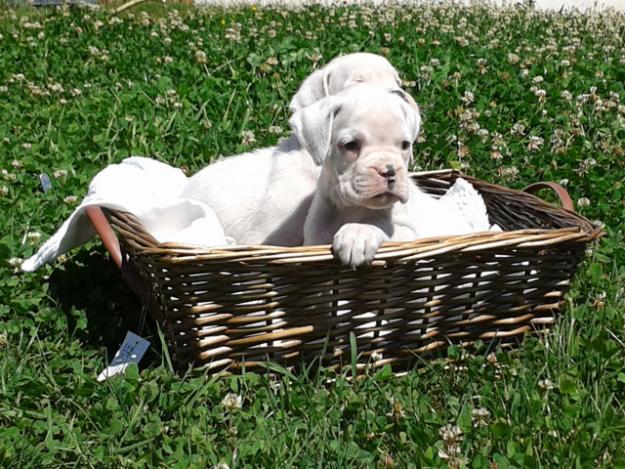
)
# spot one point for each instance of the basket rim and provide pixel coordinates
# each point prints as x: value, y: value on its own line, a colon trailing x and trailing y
x: 143, y: 243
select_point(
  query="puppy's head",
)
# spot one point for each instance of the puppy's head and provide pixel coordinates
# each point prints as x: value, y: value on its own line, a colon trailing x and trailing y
x: 342, y: 72
x: 363, y: 136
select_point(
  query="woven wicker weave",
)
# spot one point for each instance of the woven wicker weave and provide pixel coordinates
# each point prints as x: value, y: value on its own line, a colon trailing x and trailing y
x: 243, y: 306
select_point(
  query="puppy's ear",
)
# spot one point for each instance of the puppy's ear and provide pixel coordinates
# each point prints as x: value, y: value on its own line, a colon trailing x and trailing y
x: 314, y: 88
x: 413, y: 114
x: 312, y: 126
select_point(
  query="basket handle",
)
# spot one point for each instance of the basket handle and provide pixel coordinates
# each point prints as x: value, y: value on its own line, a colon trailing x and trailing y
x: 563, y: 195
x: 109, y: 239
x: 105, y: 232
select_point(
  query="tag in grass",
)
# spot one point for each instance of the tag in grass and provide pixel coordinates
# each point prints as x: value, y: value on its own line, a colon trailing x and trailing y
x: 44, y: 180
x: 131, y: 351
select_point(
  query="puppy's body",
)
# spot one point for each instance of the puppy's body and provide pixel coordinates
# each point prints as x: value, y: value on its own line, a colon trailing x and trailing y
x: 364, y: 195
x: 260, y: 197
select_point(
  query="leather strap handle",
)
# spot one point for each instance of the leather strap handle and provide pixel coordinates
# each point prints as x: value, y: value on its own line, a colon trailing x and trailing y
x: 563, y: 195
x: 109, y: 239
x: 106, y: 233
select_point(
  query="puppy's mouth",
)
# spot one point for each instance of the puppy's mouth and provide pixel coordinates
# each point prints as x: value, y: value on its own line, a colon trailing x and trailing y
x: 384, y: 199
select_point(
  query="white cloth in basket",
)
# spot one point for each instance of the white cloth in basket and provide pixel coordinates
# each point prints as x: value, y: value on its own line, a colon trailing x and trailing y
x: 461, y: 210
x: 150, y: 190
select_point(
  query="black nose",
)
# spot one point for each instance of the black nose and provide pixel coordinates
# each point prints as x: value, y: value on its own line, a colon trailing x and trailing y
x: 390, y: 171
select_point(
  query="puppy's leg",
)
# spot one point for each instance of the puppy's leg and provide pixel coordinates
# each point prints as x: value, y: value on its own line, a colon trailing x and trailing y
x: 355, y: 244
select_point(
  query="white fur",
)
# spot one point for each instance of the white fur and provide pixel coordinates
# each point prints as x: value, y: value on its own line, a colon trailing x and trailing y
x: 356, y: 205
x: 260, y: 197
x: 342, y: 72
x: 264, y: 196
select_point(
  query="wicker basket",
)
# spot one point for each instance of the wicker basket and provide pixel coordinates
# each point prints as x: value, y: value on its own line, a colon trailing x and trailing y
x: 240, y: 307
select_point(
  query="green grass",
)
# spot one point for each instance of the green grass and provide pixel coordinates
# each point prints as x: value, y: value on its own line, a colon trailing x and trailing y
x: 82, y: 89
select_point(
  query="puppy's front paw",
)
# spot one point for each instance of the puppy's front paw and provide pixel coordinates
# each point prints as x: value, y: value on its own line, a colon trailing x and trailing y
x: 355, y: 244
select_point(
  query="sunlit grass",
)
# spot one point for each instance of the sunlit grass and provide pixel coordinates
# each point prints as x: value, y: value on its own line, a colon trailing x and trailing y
x: 511, y: 96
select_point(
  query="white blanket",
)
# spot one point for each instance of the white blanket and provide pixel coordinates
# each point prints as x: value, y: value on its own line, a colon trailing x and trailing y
x: 150, y: 190
x: 461, y: 210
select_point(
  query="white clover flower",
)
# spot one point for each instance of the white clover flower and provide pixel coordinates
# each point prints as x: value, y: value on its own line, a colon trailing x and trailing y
x: 56, y: 88
x: 200, y: 57
x: 17, y: 164
x: 232, y: 402
x: 33, y: 236
x: 167, y: 59
x: 14, y: 261
x: 538, y: 79
x: 513, y: 58
x: 518, y: 129
x: 4, y: 89
x: 70, y: 199
x: 583, y: 202
x: 247, y: 137
x: 221, y: 465
x: 565, y: 63
x: 468, y: 97
x: 4, y: 191
x: 535, y: 143
x: 540, y: 93
x: 19, y: 77
x: 7, y: 176
x: 450, y: 452
x: 480, y: 417
x: 545, y: 384
x: 275, y: 129
x: 566, y: 95
x: 564, y: 182
x: 451, y: 434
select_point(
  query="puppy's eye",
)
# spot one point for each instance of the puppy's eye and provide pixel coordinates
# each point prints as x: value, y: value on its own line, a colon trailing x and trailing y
x: 352, y: 145
x: 405, y: 145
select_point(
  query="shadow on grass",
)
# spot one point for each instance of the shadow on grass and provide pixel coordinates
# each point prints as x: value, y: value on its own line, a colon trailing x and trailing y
x: 91, y: 282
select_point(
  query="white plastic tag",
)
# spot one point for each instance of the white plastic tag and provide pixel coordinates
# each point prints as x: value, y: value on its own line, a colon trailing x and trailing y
x: 131, y: 351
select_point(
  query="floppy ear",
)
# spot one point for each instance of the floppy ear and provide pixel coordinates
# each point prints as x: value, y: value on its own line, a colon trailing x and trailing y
x: 314, y: 88
x: 312, y: 126
x: 413, y: 115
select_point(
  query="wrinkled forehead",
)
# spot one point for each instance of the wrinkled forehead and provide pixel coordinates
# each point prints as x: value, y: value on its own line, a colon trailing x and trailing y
x: 374, y: 116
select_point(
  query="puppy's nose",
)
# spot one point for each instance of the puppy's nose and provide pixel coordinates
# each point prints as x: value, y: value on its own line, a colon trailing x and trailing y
x: 388, y: 172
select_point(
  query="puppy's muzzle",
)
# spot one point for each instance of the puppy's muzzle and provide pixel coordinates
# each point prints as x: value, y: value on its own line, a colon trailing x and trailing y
x: 387, y: 180
x: 389, y: 173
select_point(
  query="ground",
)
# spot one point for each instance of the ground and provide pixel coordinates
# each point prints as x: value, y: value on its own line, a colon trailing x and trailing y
x: 508, y: 95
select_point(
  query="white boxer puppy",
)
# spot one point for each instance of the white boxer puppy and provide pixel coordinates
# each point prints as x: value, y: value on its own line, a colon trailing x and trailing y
x: 264, y: 196
x: 363, y: 139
